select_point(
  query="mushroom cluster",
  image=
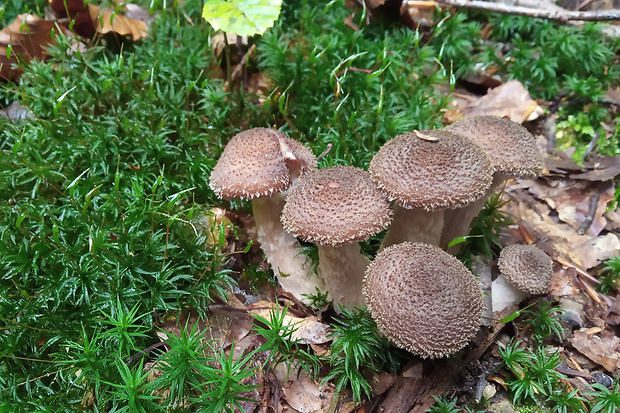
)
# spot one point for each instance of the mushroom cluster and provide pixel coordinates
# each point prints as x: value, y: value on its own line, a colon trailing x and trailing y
x: 422, y: 298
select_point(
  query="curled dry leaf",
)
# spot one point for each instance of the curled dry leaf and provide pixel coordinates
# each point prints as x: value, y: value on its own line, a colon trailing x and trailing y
x: 89, y: 20
x: 106, y: 21
x: 425, y: 137
x: 23, y: 40
x: 510, y: 99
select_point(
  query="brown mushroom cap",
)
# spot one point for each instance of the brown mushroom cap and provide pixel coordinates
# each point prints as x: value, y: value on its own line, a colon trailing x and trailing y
x: 423, y: 299
x: 431, y: 169
x: 511, y: 147
x: 256, y: 163
x: 335, y: 206
x: 526, y: 267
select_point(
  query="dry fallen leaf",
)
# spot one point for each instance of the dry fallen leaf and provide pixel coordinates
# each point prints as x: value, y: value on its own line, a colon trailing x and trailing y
x: 418, y: 13
x: 135, y: 12
x: 17, y: 112
x: 601, y: 349
x: 595, y: 168
x: 584, y: 250
x: 106, y: 21
x: 23, y: 40
x: 563, y: 283
x: 573, y: 200
x: 74, y: 15
x: 219, y: 40
x: 88, y: 20
x: 555, y: 209
x: 510, y: 99
x: 302, y: 394
x: 381, y: 382
x: 308, y: 330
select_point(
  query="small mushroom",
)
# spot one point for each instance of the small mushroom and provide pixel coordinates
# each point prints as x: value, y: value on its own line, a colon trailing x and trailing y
x: 423, y: 299
x: 524, y: 270
x: 513, y: 153
x: 335, y: 208
x: 260, y: 164
x: 425, y: 172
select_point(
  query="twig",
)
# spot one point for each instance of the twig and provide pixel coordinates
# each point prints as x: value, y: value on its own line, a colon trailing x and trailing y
x: 241, y: 59
x: 550, y: 128
x: 590, y: 216
x: 566, y: 263
x: 590, y: 291
x: 242, y: 62
x: 558, y: 15
x: 325, y: 152
x: 592, y: 144
x: 583, y: 4
x: 573, y: 372
x: 145, y: 352
x: 480, y: 385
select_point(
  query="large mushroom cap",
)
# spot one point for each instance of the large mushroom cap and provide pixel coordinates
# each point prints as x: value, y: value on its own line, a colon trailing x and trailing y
x: 526, y: 267
x: 511, y: 147
x: 423, y: 299
x: 258, y: 162
x: 335, y: 206
x: 431, y: 169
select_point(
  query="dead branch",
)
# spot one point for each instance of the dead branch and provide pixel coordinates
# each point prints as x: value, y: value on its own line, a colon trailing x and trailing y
x: 560, y: 15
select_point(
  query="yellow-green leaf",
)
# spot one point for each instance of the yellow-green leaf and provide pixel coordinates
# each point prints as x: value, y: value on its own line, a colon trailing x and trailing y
x: 242, y: 17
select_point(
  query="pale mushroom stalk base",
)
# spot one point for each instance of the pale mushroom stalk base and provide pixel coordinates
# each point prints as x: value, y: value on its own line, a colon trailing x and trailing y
x: 414, y: 225
x: 505, y: 294
x: 343, y: 270
x: 457, y: 221
x: 481, y: 267
x: 282, y: 250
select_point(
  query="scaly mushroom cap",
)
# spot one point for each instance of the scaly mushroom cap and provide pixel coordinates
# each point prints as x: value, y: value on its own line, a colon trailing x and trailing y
x: 526, y: 267
x: 511, y: 147
x: 423, y: 299
x: 431, y: 169
x: 258, y: 162
x: 335, y: 206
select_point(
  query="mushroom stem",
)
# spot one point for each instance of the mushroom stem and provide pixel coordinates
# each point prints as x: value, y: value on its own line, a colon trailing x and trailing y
x: 282, y: 249
x: 457, y: 221
x: 504, y: 294
x: 414, y: 225
x: 343, y: 270
x: 481, y: 267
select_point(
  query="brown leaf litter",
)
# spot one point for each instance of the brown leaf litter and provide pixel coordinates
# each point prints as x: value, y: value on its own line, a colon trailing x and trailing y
x: 89, y: 20
x: 23, y: 40
x: 28, y: 36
